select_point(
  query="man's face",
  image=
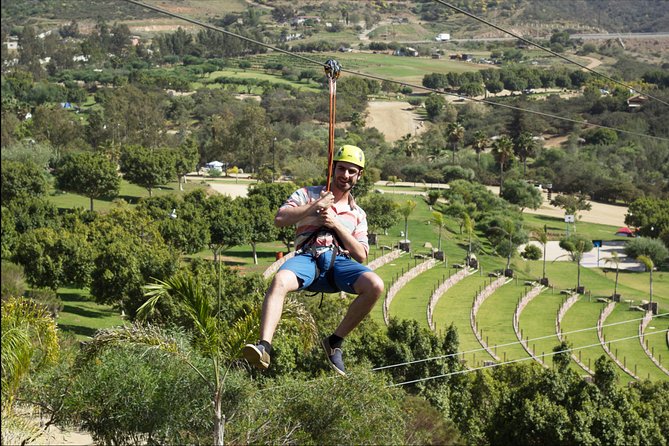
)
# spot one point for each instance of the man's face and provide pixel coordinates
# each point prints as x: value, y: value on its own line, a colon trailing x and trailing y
x: 346, y: 175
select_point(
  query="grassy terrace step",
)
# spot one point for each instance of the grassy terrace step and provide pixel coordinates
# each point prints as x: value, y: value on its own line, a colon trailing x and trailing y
x: 388, y: 272
x: 412, y: 300
x: 630, y: 351
x: 657, y: 344
x: 495, y: 317
x: 454, y: 307
x: 538, y: 321
x: 582, y: 319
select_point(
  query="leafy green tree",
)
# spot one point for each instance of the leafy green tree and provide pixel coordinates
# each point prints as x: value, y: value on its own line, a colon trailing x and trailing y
x: 649, y: 215
x: 9, y: 236
x: 185, y: 157
x: 228, y: 223
x: 134, y: 117
x: 92, y: 175
x: 261, y: 220
x: 576, y: 245
x: 382, y: 212
x: 146, y: 167
x: 57, y: 127
x: 52, y: 259
x: 21, y: 180
x: 276, y: 194
x: 522, y: 194
x: 434, y: 104
x: 502, y: 149
x: 649, y: 247
x: 572, y: 204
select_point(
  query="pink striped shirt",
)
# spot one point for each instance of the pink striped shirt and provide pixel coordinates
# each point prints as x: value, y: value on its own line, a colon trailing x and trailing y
x: 350, y: 215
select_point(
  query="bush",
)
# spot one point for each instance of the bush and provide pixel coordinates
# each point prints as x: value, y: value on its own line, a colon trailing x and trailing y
x: 13, y: 280
x: 48, y: 299
x: 532, y: 252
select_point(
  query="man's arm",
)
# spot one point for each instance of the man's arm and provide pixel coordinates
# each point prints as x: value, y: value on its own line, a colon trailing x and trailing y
x: 290, y: 215
x: 356, y: 249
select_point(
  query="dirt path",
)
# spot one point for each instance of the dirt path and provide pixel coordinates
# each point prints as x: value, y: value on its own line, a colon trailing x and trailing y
x: 395, y: 119
x: 605, y: 214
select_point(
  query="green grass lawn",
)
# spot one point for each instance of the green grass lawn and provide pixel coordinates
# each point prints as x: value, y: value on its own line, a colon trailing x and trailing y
x: 129, y: 192
x: 629, y: 351
x: 412, y: 300
x: 496, y: 315
x: 579, y: 328
x: 82, y: 317
x: 454, y: 307
x: 537, y: 324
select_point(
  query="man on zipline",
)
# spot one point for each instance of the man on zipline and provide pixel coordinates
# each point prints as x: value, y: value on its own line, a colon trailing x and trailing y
x: 331, y: 241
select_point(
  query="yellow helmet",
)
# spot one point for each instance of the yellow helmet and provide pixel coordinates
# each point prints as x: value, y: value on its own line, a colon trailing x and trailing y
x: 350, y: 154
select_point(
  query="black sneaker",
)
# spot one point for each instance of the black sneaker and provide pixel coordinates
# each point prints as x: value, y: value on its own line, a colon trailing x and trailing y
x: 256, y: 355
x: 334, y: 357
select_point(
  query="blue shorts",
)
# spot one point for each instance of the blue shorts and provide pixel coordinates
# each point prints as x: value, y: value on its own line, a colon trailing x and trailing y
x: 346, y: 272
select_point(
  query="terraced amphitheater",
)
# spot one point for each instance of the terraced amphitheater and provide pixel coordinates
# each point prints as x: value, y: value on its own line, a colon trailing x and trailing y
x: 506, y: 320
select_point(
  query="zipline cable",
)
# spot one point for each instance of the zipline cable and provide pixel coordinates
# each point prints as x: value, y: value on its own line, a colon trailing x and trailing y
x: 434, y: 358
x: 543, y: 48
x: 513, y: 361
x: 369, y: 76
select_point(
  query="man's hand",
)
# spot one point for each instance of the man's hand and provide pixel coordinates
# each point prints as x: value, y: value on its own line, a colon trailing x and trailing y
x: 325, y: 202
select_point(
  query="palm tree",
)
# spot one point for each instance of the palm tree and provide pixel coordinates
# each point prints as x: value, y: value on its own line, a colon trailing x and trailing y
x: 525, y: 147
x: 503, y: 151
x: 29, y: 341
x: 542, y: 237
x: 648, y: 263
x: 439, y: 221
x: 406, y: 210
x: 481, y: 142
x: 455, y: 133
x: 218, y: 340
x: 614, y: 260
x: 468, y: 223
x: 576, y: 245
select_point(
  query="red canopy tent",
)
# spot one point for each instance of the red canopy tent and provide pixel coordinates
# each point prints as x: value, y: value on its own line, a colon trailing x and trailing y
x: 625, y: 232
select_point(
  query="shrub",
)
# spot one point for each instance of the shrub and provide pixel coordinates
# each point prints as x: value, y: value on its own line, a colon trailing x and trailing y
x: 532, y: 252
x: 13, y: 280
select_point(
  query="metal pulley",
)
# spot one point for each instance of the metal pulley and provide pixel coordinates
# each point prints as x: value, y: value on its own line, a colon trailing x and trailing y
x: 332, y: 69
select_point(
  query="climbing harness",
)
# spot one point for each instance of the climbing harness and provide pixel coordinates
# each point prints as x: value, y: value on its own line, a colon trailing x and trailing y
x: 332, y: 71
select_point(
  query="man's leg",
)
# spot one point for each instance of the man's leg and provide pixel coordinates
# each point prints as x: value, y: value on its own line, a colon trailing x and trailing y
x: 369, y: 288
x: 283, y: 283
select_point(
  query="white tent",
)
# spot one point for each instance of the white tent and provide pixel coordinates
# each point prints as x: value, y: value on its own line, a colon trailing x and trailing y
x: 214, y: 165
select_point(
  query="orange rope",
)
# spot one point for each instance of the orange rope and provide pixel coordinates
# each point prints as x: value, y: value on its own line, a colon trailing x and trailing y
x: 332, y: 70
x: 333, y: 102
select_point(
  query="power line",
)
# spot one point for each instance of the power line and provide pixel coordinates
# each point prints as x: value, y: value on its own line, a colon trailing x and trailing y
x: 369, y: 76
x: 513, y: 361
x: 434, y: 358
x: 499, y: 28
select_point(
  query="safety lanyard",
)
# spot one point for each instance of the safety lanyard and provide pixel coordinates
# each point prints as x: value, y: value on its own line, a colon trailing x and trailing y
x: 332, y: 70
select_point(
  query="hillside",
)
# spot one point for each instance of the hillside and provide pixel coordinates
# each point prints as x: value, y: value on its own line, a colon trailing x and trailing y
x: 531, y: 16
